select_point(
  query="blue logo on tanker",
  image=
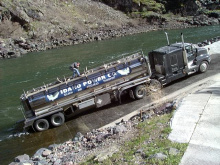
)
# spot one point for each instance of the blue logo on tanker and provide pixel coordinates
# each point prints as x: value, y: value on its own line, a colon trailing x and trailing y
x: 87, y: 84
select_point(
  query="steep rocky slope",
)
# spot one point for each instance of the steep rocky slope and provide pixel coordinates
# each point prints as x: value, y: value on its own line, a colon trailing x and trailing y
x: 28, y: 25
x: 37, y: 25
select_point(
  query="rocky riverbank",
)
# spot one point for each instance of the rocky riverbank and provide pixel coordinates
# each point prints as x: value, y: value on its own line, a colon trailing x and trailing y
x: 11, y: 48
x: 100, y: 143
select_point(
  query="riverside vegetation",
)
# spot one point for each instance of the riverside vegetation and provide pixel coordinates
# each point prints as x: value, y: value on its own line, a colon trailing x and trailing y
x: 151, y: 146
x: 28, y: 26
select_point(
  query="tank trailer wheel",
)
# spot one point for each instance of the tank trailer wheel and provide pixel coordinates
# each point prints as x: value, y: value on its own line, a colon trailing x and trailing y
x: 203, y: 67
x: 139, y: 91
x: 41, y: 125
x: 154, y: 86
x: 57, y: 119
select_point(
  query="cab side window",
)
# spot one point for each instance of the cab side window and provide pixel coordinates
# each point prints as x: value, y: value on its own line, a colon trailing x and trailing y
x: 188, y: 49
x: 189, y: 52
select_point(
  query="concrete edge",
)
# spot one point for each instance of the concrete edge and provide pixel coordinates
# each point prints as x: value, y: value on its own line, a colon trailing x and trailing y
x: 175, y: 95
x: 214, y: 48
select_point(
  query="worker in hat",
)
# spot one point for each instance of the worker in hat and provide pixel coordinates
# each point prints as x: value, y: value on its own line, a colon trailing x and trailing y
x: 75, y: 68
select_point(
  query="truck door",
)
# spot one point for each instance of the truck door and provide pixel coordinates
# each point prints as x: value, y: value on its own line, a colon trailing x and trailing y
x: 176, y: 66
x: 174, y: 63
x: 190, y: 54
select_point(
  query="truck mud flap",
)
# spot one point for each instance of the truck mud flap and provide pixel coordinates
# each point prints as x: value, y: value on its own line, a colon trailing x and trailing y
x: 131, y: 94
x: 102, y: 100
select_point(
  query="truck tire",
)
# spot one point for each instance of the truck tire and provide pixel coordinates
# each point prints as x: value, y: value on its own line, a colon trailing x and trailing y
x: 203, y: 66
x: 154, y: 86
x: 139, y: 92
x: 57, y: 119
x: 41, y: 125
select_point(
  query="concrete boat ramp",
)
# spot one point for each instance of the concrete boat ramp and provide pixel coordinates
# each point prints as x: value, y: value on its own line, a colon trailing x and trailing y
x: 197, y: 122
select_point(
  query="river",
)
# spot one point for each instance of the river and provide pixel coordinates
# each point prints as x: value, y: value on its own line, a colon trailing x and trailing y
x: 34, y: 69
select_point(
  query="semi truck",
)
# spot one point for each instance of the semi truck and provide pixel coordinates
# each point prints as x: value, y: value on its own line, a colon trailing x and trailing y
x: 50, y: 105
x: 178, y: 60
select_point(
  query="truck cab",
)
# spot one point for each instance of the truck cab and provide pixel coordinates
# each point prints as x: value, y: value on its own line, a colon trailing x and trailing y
x: 178, y: 60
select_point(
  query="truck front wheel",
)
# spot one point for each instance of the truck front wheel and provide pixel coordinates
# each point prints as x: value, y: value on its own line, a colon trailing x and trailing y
x: 41, y: 125
x: 139, y: 92
x: 57, y: 119
x: 203, y: 66
x: 154, y: 86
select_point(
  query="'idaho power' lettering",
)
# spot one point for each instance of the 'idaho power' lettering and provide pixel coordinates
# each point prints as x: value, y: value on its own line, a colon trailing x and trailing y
x: 87, y: 84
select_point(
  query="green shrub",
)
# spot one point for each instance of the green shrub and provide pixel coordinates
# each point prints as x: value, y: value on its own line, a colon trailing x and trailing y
x: 152, y: 16
x: 151, y: 5
x: 213, y: 13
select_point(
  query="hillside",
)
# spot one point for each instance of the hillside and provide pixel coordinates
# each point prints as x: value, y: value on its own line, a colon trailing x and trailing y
x: 28, y: 25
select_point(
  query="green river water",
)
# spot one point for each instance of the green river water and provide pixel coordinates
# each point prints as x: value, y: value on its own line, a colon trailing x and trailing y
x: 34, y: 69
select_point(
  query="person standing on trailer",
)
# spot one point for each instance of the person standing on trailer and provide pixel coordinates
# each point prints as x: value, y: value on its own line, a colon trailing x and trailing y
x: 75, y: 68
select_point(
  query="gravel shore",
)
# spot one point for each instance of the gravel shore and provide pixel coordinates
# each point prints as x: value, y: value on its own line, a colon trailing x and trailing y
x: 99, y: 143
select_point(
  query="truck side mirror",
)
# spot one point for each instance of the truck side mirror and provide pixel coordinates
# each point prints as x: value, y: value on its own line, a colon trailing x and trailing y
x: 196, y: 52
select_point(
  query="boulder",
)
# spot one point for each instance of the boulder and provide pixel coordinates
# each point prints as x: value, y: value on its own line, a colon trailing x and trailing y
x: 97, y: 38
x: 201, y: 19
x: 22, y: 158
x: 35, y: 14
x: 159, y: 156
x: 13, y: 163
x: 19, y: 15
x: 41, y: 162
x: 141, y: 152
x: 174, y: 151
x: 78, y: 137
x: 27, y: 163
x: 18, y: 54
x: 204, y: 23
x: 22, y: 51
x: 196, y: 23
x: 25, y: 46
x: 102, y: 136
x: 47, y: 152
x: 145, y: 117
x: 214, y: 21
x: 38, y: 155
x: 52, y: 146
x: 57, y: 162
x: 119, y: 129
